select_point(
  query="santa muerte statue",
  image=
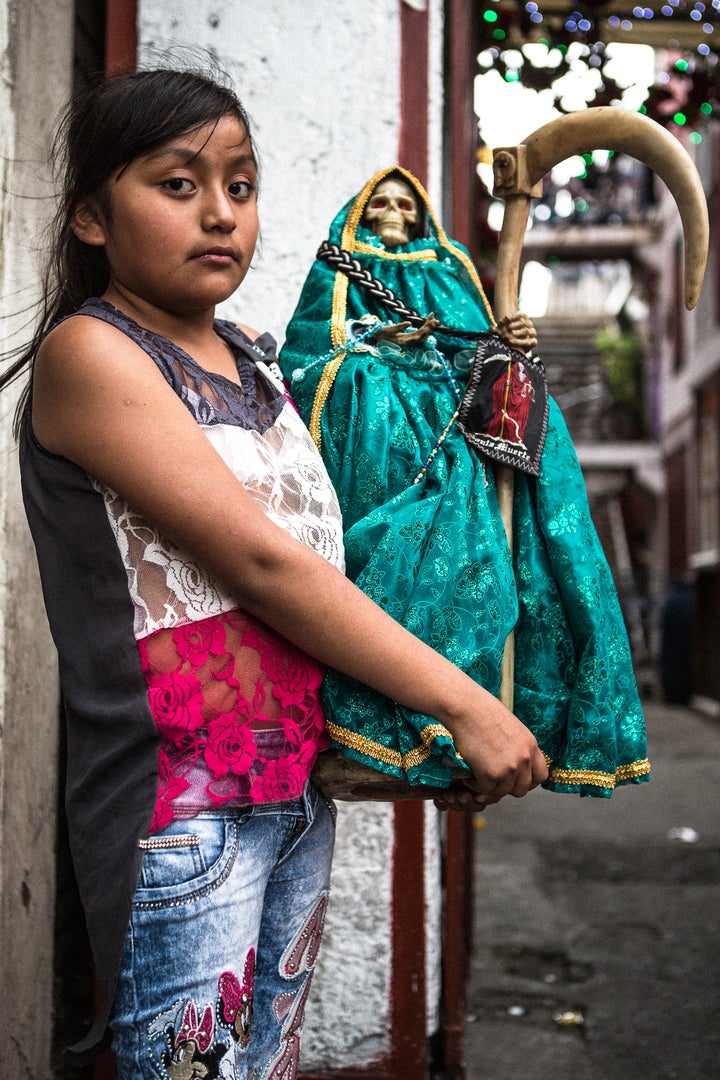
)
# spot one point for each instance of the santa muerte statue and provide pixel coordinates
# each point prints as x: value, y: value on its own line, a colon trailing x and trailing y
x: 417, y: 400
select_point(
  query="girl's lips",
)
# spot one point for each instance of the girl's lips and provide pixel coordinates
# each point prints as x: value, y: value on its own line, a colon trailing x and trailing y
x: 216, y: 255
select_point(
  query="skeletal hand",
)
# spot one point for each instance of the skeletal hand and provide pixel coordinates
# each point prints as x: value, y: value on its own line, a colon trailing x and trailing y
x: 518, y: 330
x: 400, y: 335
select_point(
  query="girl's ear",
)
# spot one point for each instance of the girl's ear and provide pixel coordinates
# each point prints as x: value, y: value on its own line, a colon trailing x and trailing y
x: 87, y: 224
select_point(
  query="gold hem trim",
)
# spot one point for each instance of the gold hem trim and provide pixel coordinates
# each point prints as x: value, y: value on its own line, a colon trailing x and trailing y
x: 378, y: 752
x: 323, y: 389
x: 600, y: 779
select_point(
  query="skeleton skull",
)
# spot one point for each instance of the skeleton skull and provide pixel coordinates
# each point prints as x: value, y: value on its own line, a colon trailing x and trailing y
x: 392, y: 212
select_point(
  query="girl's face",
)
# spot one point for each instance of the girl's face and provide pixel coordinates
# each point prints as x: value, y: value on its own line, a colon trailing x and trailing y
x: 182, y: 222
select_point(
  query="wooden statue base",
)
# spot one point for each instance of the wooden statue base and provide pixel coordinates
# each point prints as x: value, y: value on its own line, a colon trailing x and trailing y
x: 340, y: 777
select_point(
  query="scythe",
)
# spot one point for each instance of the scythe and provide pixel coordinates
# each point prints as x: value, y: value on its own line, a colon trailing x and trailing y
x: 518, y: 174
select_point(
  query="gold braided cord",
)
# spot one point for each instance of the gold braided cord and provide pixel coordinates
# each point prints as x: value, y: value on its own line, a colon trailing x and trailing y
x: 415, y: 757
x: 323, y: 389
x: 354, y: 741
x: 420, y: 753
x: 638, y: 768
x: 382, y: 753
x: 337, y: 337
x: 409, y: 256
x: 339, y: 309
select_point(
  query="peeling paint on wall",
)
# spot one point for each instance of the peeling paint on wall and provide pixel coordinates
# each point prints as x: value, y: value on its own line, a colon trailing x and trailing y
x: 29, y: 94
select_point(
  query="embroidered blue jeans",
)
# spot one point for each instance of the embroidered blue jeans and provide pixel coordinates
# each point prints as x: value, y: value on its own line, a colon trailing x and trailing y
x: 225, y: 930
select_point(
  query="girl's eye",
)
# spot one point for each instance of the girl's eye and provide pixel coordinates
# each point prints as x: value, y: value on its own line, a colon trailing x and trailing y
x: 178, y: 185
x: 241, y: 189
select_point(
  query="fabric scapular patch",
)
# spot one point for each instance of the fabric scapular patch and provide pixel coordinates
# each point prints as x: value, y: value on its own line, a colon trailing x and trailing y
x: 504, y: 411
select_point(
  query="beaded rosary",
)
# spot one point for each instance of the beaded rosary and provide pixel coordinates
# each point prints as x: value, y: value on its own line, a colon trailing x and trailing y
x: 356, y: 340
x: 432, y: 344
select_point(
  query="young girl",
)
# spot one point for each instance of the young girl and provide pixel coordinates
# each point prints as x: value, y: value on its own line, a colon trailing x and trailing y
x: 190, y: 549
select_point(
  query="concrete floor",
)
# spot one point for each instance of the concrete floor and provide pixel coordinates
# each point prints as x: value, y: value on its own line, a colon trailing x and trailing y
x: 596, y: 924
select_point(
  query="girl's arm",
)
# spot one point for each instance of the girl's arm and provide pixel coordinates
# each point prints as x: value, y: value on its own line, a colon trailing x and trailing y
x: 100, y: 401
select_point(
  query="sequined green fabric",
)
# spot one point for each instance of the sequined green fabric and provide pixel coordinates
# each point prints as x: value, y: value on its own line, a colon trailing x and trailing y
x: 434, y: 553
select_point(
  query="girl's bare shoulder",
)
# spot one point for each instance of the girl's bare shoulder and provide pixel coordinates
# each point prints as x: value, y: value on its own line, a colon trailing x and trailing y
x: 88, y: 370
x: 76, y: 341
x: 84, y: 356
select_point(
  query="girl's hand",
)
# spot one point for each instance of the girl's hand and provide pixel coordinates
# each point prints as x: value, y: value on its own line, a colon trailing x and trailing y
x: 501, y: 752
x: 474, y: 795
x: 464, y: 800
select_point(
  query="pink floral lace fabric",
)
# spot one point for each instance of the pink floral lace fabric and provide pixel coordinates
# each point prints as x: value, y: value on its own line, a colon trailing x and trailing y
x: 237, y: 709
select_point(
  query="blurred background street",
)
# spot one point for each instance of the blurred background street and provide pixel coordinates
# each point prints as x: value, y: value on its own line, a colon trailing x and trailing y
x: 595, y: 932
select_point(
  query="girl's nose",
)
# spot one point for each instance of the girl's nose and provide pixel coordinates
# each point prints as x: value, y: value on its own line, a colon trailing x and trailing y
x: 218, y: 212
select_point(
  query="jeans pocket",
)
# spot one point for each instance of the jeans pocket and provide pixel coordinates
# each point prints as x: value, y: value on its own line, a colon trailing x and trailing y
x: 312, y: 825
x: 186, y: 861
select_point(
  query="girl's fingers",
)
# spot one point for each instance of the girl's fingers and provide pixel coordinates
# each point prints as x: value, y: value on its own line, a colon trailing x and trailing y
x: 464, y: 800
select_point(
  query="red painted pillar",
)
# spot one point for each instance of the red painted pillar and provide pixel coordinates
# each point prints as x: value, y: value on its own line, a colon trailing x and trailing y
x: 461, y: 138
x: 461, y: 126
x: 409, y: 1051
x: 409, y: 1046
x: 413, y: 140
x: 456, y: 940
x: 120, y: 36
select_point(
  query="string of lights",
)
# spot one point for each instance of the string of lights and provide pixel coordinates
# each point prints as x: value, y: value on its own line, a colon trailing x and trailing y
x: 687, y: 32
x: 682, y: 23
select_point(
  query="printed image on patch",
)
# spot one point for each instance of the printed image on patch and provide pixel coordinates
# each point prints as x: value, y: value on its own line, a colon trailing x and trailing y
x: 235, y: 1001
x: 504, y: 411
x: 301, y: 954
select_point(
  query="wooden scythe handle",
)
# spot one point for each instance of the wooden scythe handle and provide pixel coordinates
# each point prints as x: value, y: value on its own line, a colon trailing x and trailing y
x: 518, y: 173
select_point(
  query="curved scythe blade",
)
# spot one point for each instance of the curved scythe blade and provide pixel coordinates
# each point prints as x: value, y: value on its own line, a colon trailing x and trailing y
x: 601, y: 128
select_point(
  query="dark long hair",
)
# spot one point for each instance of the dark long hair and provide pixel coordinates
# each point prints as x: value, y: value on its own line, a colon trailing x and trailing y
x: 101, y: 132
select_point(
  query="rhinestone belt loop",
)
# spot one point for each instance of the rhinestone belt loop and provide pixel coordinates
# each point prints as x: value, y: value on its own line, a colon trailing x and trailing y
x: 156, y: 843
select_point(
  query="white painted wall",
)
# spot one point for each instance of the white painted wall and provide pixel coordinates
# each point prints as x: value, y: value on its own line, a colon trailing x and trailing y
x: 348, y: 1010
x: 320, y: 81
